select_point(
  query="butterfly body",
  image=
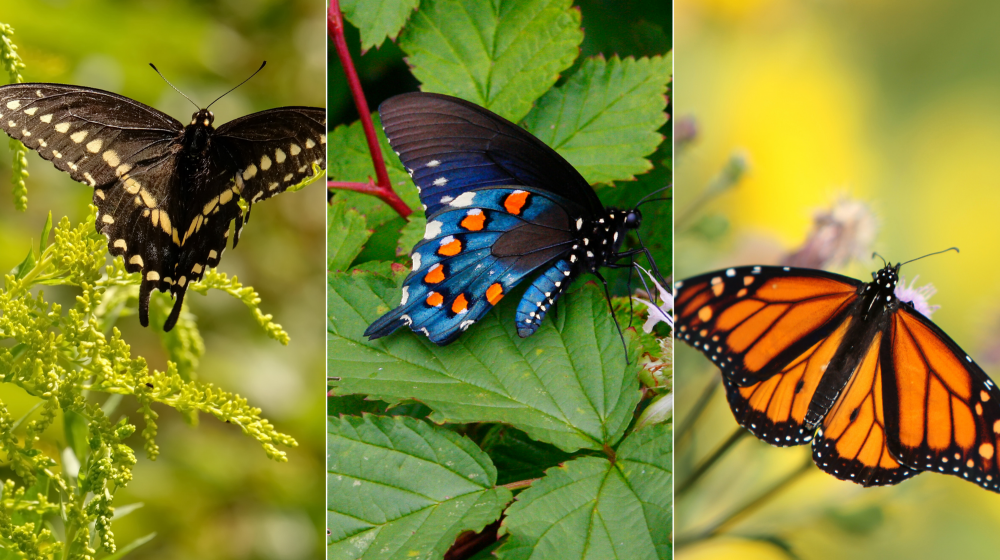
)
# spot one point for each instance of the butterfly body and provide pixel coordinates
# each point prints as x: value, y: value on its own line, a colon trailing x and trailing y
x: 166, y: 193
x: 809, y: 356
x: 500, y: 205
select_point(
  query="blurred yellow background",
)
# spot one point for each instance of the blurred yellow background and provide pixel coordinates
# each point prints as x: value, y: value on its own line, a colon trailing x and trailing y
x: 894, y: 103
x: 212, y: 493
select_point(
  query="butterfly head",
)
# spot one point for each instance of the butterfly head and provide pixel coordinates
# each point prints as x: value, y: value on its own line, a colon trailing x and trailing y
x: 633, y: 218
x: 203, y: 118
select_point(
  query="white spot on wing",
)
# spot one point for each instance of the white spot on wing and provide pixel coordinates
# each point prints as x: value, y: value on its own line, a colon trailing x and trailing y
x: 433, y: 230
x: 463, y: 200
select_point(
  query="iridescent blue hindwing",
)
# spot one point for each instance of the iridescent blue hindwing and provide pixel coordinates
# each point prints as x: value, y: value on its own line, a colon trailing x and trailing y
x: 479, y: 246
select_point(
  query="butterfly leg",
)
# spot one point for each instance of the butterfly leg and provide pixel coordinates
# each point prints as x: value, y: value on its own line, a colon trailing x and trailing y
x: 607, y: 295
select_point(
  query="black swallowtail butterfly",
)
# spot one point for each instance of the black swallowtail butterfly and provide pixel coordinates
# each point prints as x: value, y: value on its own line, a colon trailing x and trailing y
x: 166, y: 193
x: 500, y: 205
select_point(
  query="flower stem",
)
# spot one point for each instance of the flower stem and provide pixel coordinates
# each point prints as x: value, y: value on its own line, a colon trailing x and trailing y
x: 382, y: 188
x: 749, y: 506
x: 699, y: 406
x: 708, y: 463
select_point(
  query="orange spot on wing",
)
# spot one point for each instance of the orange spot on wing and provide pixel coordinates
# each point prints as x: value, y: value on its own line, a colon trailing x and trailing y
x: 451, y: 249
x: 474, y: 220
x: 435, y: 299
x: 494, y: 293
x: 435, y: 275
x: 515, y: 201
x: 460, y: 304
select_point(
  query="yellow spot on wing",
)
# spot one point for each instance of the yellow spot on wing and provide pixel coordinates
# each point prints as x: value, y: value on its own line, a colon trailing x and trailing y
x: 78, y: 136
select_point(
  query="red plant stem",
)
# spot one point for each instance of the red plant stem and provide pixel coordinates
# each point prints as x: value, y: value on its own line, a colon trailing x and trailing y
x: 383, y: 187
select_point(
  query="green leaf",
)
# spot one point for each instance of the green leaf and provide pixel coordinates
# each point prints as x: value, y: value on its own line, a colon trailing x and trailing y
x: 45, y: 234
x: 25, y: 266
x: 349, y: 160
x: 377, y: 19
x: 591, y: 508
x: 345, y: 235
x: 501, y: 54
x: 568, y: 384
x: 517, y: 456
x: 604, y: 119
x: 412, y: 233
x: 401, y: 488
x: 123, y: 551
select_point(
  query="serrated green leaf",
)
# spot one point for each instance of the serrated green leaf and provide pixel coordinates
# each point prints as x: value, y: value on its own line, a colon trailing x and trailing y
x: 400, y: 488
x: 517, y: 456
x: 501, y: 54
x: 346, y: 235
x: 377, y: 19
x: 568, y: 384
x: 590, y: 508
x: 412, y: 233
x: 604, y: 119
x: 349, y: 160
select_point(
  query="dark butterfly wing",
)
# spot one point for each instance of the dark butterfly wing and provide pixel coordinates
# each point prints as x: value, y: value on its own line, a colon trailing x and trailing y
x: 942, y: 412
x: 752, y: 322
x: 167, y: 226
x: 125, y: 150
x: 254, y: 157
x: 450, y: 146
x: 459, y: 273
x: 852, y: 443
x: 273, y: 151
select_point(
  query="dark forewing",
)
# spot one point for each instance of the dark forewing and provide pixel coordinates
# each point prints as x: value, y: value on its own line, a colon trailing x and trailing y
x: 273, y: 150
x: 450, y: 146
x: 942, y: 412
x: 752, y: 322
x: 123, y: 149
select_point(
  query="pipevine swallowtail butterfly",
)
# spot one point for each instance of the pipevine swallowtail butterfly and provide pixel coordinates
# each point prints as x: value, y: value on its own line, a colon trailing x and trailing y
x: 166, y: 193
x: 500, y: 205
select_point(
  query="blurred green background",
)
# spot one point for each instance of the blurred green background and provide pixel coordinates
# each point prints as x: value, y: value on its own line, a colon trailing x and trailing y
x: 893, y: 103
x: 212, y: 493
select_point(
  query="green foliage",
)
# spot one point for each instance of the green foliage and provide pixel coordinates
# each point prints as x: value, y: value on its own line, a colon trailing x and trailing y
x: 604, y: 119
x: 421, y: 485
x: 346, y: 233
x: 568, y: 384
x: 618, y: 509
x: 12, y: 63
x: 213, y: 279
x: 66, y: 358
x: 378, y: 19
x: 501, y: 54
x: 561, y: 412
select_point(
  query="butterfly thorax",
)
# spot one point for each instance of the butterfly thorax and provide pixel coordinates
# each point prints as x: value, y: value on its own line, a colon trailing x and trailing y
x: 598, y: 242
x: 879, y: 294
x: 197, y: 134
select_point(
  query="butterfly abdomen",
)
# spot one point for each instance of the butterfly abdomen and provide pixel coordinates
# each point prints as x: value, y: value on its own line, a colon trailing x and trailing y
x: 541, y: 296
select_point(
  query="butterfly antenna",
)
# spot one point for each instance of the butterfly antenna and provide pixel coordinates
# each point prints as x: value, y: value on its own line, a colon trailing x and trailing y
x: 644, y: 200
x: 874, y: 254
x: 932, y: 254
x: 173, y: 86
x: 262, y: 64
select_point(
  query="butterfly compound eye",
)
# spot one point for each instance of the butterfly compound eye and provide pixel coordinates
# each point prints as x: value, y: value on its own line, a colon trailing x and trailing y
x: 633, y: 219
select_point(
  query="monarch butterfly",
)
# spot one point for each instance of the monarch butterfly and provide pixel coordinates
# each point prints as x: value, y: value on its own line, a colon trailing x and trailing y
x: 880, y: 391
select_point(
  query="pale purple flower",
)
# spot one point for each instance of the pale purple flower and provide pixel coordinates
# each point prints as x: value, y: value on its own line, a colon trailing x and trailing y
x: 917, y: 296
x: 657, y: 312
